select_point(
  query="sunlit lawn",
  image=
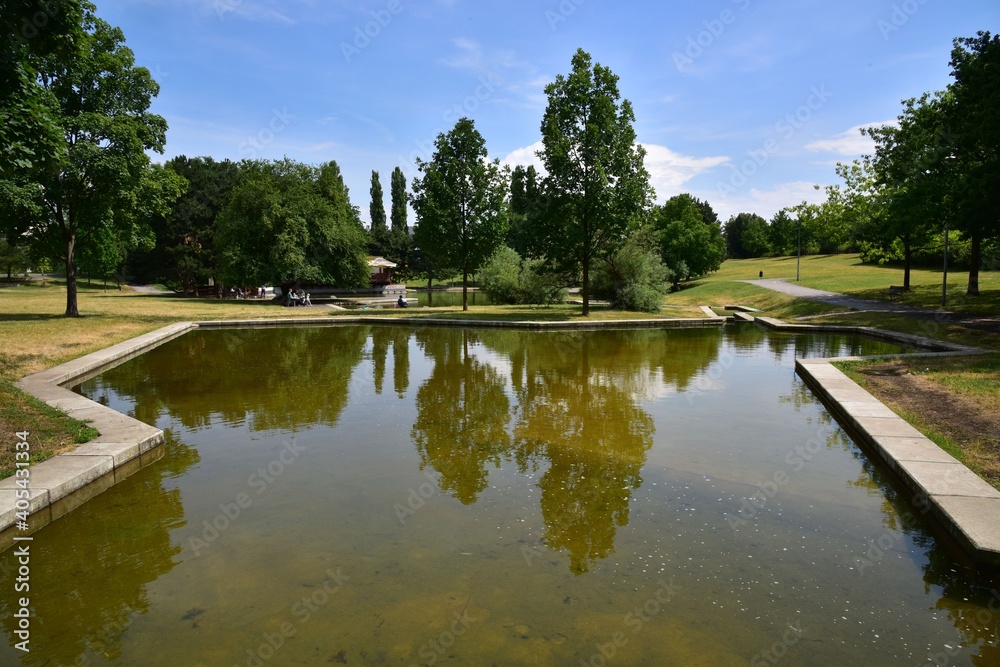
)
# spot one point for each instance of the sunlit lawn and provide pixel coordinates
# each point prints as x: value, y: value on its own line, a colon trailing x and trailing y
x: 846, y: 274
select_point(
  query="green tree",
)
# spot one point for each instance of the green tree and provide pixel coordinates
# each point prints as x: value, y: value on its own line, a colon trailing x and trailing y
x: 36, y: 34
x: 288, y: 222
x: 378, y: 232
x: 185, y: 253
x: 13, y: 256
x: 400, y: 243
x: 708, y: 214
x: 596, y: 184
x: 975, y: 119
x: 634, y: 277
x: 907, y: 198
x: 783, y: 233
x: 746, y: 236
x: 688, y: 246
x: 399, y: 200
x: 90, y: 188
x: 525, y: 208
x: 506, y: 277
x: 461, y: 203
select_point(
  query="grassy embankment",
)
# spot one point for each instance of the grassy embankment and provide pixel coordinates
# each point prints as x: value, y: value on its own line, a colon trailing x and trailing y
x: 34, y: 335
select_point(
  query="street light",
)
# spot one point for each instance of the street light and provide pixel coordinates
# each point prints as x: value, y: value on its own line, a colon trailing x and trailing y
x: 944, y: 281
x: 798, y: 258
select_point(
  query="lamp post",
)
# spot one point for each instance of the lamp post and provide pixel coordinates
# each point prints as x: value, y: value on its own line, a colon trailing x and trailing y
x: 798, y: 257
x: 944, y: 280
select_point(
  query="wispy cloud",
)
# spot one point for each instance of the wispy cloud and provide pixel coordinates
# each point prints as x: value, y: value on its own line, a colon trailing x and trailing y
x: 469, y: 56
x: 849, y: 143
x: 765, y: 202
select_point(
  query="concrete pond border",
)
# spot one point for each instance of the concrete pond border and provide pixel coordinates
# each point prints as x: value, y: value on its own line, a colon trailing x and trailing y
x: 966, y: 506
x: 962, y: 503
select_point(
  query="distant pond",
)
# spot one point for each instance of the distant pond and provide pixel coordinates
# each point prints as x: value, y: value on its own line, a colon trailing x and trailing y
x: 386, y: 495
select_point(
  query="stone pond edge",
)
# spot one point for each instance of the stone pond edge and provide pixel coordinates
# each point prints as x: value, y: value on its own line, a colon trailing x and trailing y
x: 966, y: 506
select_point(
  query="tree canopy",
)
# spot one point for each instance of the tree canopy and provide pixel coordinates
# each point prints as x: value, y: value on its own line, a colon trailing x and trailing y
x: 289, y: 222
x: 596, y: 186
x: 88, y: 187
x: 461, y: 203
x: 690, y: 244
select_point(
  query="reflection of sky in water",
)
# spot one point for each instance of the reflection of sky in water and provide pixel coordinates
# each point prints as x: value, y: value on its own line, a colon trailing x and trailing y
x: 543, y: 487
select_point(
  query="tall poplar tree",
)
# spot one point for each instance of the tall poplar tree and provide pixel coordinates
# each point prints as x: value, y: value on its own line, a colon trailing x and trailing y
x: 397, y: 191
x: 378, y: 231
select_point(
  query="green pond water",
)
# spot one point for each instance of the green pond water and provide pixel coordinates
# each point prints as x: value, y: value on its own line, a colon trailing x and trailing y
x: 378, y: 495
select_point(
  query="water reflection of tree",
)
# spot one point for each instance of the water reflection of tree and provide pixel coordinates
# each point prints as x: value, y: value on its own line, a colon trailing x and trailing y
x: 268, y: 378
x: 575, y: 414
x: 578, y: 418
x: 89, y: 575
x: 399, y: 339
x: 462, y: 415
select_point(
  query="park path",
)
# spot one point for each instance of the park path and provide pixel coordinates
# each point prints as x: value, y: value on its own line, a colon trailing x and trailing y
x: 939, y: 315
x: 146, y: 289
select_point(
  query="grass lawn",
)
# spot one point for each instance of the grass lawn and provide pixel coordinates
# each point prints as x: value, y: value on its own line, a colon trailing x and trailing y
x: 954, y: 401
x: 846, y: 274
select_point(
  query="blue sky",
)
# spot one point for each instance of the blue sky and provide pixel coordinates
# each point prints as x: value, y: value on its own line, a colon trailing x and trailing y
x: 745, y: 103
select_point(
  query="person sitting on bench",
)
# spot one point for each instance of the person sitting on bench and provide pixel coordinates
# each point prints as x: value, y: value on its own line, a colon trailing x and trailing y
x: 401, y: 303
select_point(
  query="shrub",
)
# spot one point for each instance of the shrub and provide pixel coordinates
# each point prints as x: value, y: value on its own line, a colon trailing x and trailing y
x: 507, y: 279
x: 634, y: 278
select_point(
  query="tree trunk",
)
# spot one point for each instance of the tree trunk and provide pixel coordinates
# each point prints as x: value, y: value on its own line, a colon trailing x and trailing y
x: 975, y: 259
x: 430, y: 291
x: 907, y: 261
x: 465, y: 288
x: 72, y: 310
x: 586, y: 287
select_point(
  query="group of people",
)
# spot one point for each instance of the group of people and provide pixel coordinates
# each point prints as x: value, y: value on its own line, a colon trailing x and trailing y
x: 246, y: 292
x: 297, y: 297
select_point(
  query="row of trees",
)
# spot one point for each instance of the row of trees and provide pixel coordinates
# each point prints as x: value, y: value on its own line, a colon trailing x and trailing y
x: 934, y: 174
x: 76, y: 184
x: 268, y: 222
x: 589, y: 221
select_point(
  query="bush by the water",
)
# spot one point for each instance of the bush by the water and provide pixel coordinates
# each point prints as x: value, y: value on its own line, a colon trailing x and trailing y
x: 506, y: 278
x: 634, y: 278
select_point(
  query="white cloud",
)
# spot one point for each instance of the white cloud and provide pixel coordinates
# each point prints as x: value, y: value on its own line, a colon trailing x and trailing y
x: 525, y: 156
x: 849, y: 143
x: 470, y: 54
x: 764, y: 203
x: 669, y: 171
x: 252, y: 11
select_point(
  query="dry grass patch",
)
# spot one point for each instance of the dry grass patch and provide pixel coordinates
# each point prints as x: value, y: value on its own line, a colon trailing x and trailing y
x: 954, y: 401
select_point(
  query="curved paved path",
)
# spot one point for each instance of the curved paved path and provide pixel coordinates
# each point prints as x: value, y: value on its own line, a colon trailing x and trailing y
x: 939, y: 315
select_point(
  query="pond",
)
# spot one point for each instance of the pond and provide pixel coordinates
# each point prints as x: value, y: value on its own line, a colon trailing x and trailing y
x: 384, y: 495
